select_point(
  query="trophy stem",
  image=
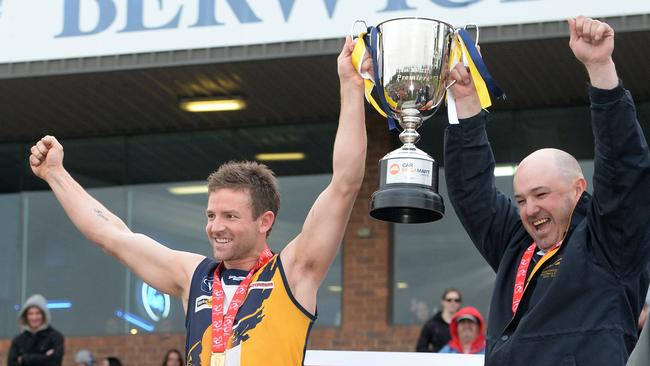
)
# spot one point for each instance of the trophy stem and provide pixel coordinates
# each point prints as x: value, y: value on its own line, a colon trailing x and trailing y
x: 410, y: 120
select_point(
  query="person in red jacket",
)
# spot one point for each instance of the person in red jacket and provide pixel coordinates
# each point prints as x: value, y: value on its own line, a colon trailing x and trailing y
x: 467, y: 330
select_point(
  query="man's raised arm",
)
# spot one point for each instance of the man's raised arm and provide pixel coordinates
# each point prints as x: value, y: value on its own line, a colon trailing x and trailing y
x: 592, y: 43
x: 621, y: 160
x: 308, y: 257
x: 165, y: 269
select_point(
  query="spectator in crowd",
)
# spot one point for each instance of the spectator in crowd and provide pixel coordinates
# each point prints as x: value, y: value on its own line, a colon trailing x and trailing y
x: 435, y: 332
x: 111, y: 361
x: 467, y: 332
x: 173, y: 357
x: 84, y: 358
x: 38, y: 344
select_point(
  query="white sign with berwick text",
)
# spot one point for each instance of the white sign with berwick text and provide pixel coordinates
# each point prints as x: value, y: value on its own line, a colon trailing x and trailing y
x: 33, y: 30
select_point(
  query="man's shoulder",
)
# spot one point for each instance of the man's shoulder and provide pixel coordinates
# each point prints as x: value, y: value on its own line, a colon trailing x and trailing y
x: 205, y: 264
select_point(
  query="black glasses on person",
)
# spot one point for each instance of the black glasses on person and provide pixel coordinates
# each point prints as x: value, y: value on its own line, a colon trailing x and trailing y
x: 452, y: 299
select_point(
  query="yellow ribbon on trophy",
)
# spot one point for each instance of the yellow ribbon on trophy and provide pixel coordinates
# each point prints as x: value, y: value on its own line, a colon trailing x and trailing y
x: 358, y: 53
x: 460, y: 53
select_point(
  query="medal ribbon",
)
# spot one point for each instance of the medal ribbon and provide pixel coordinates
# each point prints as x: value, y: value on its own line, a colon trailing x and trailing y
x: 520, y: 280
x: 222, y: 324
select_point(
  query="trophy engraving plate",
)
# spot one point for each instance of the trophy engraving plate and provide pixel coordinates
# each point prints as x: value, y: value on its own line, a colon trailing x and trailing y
x: 412, y: 171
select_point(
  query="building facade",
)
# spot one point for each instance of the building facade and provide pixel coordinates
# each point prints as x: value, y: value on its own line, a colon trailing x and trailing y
x: 108, y: 77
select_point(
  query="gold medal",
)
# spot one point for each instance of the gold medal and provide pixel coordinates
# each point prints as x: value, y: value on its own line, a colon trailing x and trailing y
x: 217, y: 359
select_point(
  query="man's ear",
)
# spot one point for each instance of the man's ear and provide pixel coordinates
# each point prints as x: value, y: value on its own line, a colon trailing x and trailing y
x: 580, y: 186
x: 266, y: 222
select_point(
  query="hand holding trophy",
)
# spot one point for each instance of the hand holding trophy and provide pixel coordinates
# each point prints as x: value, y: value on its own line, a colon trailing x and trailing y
x: 412, y: 58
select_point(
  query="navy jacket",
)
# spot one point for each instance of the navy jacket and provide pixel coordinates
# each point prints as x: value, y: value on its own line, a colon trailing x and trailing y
x: 581, y: 308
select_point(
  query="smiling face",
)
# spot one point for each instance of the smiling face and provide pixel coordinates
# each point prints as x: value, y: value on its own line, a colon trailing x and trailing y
x: 235, y: 235
x: 547, y: 188
x: 35, y: 317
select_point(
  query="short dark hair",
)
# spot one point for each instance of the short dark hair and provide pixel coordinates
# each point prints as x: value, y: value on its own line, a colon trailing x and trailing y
x: 113, y: 361
x: 452, y: 289
x: 254, y: 177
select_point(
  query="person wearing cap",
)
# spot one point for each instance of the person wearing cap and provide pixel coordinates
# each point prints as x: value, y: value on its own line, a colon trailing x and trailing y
x: 84, y: 358
x: 39, y: 344
x: 467, y: 332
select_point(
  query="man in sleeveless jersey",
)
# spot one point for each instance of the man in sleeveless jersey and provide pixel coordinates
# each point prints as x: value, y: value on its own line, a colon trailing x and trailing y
x: 247, y: 306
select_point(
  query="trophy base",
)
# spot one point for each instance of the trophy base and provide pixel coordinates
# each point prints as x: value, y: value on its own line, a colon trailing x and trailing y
x: 406, y: 204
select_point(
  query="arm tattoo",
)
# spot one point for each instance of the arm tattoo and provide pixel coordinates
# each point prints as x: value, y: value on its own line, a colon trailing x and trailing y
x: 100, y: 214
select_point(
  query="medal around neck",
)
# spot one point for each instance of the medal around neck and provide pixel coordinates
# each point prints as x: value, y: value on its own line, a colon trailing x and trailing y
x: 217, y: 359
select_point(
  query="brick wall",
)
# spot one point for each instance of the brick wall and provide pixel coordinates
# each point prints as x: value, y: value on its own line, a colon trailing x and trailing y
x: 145, y: 350
x: 366, y: 312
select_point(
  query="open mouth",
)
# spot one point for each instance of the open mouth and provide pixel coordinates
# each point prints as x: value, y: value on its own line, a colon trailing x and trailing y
x: 540, y: 224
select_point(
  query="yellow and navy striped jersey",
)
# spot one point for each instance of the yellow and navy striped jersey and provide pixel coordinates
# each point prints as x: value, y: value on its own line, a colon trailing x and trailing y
x: 271, y: 327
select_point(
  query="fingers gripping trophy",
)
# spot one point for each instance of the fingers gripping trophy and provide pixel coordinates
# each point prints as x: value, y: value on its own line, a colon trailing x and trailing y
x: 411, y: 60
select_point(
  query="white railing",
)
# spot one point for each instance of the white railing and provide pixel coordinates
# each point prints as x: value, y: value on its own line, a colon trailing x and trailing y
x: 362, y: 358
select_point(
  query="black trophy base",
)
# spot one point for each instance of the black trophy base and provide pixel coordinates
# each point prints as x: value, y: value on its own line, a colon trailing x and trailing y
x: 406, y: 204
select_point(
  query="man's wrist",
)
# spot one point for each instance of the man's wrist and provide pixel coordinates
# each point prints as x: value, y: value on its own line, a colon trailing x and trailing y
x: 55, y: 174
x: 603, y: 75
x: 468, y: 107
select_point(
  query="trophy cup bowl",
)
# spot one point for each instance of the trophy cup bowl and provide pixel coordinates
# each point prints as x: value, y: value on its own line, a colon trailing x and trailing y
x: 412, y: 67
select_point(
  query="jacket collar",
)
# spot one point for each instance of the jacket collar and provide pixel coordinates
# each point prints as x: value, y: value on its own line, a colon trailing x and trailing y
x: 580, y: 211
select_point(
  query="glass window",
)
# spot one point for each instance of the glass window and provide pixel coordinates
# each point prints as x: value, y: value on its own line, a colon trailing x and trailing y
x: 66, y: 268
x: 10, y: 263
x: 434, y: 256
x: 178, y: 222
x: 298, y: 194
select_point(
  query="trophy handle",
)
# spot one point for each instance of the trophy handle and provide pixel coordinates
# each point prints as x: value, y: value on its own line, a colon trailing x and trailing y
x: 467, y: 27
x: 475, y: 26
x: 354, y: 25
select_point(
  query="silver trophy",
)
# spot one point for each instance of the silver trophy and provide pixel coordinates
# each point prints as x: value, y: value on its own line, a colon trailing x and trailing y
x: 412, y: 63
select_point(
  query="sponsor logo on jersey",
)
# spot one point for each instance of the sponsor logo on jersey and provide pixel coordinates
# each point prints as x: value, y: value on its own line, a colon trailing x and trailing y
x: 202, y: 303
